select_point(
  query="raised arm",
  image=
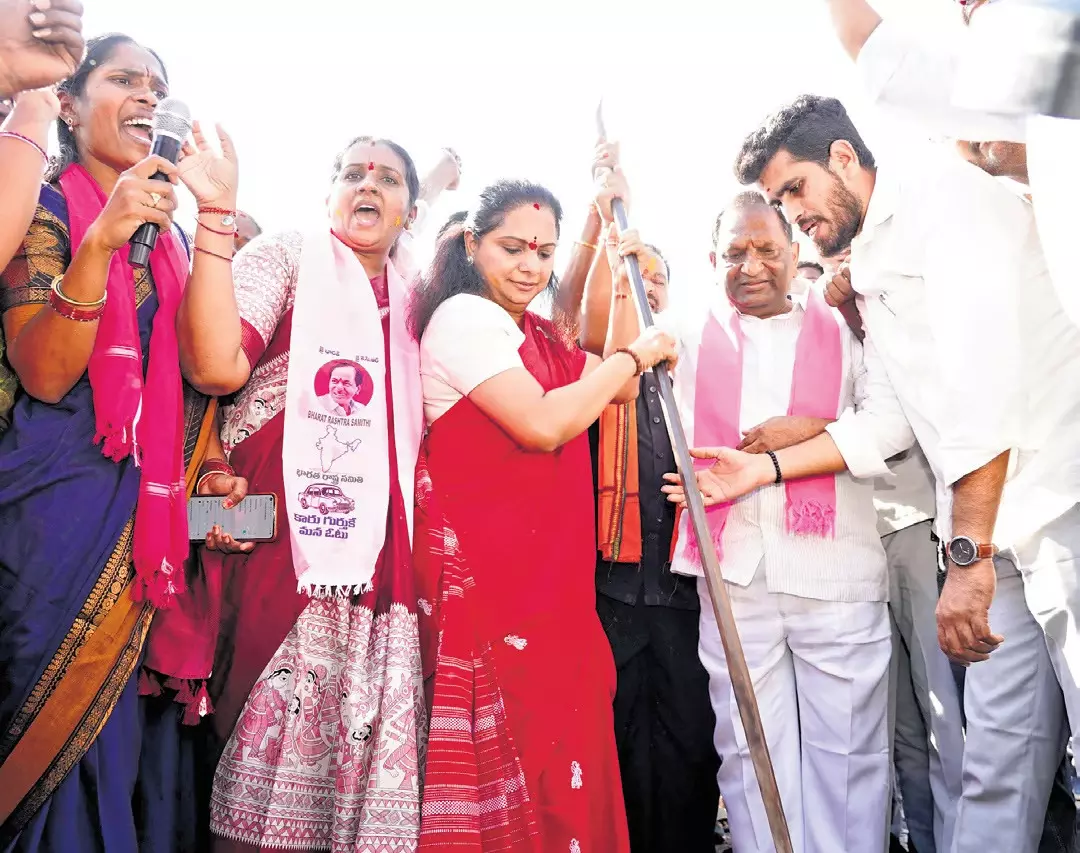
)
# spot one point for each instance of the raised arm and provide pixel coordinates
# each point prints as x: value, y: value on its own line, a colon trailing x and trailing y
x: 208, y: 324
x: 609, y: 183
x: 901, y: 70
x: 854, y: 21
x: 22, y: 166
x: 572, y: 284
x: 41, y: 45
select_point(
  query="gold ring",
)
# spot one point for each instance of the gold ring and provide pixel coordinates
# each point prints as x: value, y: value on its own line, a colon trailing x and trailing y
x: 155, y: 198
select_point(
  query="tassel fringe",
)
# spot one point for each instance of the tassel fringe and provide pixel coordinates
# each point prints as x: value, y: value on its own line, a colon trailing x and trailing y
x: 693, y: 549
x: 149, y: 684
x: 810, y: 518
x: 162, y: 589
x: 191, y: 694
x: 332, y: 591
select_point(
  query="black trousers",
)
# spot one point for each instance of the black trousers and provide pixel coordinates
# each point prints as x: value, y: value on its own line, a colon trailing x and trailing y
x: 663, y: 728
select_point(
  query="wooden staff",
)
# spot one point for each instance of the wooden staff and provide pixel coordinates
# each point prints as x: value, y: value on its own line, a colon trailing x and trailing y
x: 729, y: 635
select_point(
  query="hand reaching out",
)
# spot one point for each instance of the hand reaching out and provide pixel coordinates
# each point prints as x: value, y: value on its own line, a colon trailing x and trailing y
x: 733, y: 474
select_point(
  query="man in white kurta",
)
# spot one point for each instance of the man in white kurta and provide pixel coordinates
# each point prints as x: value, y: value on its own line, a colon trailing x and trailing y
x: 811, y: 610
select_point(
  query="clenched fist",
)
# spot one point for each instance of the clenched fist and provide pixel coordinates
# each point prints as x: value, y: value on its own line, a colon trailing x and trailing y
x: 41, y: 43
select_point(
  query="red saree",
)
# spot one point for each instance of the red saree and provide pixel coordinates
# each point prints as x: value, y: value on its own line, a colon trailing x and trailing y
x: 521, y: 753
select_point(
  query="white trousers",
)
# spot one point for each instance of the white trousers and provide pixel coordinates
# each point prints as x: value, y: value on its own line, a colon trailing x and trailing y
x: 821, y: 674
x: 1015, y: 702
x: 928, y: 730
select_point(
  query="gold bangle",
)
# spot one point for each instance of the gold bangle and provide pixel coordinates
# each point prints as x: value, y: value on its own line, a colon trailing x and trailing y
x: 60, y: 294
x: 586, y: 245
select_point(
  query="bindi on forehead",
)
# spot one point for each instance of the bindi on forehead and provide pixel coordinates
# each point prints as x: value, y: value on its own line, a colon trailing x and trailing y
x: 371, y: 165
x: 532, y: 242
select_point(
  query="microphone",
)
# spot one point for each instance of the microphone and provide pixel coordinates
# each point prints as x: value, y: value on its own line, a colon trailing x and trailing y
x: 170, y: 127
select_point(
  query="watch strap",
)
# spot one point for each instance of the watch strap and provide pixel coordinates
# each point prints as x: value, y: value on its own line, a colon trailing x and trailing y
x: 984, y: 552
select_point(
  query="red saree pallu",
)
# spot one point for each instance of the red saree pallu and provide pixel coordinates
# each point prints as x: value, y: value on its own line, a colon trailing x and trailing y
x: 521, y: 754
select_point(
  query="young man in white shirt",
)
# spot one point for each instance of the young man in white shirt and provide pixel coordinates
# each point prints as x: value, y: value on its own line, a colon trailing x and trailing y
x: 805, y: 569
x: 956, y: 298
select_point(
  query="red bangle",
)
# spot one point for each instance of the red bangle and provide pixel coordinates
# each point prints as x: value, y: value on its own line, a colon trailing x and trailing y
x: 216, y: 466
x: 11, y: 134
x: 213, y: 254
x: 73, y: 312
x: 215, y: 231
x: 211, y: 468
x: 224, y: 211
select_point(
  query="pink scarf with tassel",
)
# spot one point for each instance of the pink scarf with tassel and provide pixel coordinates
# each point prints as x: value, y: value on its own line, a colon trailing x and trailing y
x: 815, y: 392
x: 137, y: 418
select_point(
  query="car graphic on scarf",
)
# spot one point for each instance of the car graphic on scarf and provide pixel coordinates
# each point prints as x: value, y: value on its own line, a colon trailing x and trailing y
x: 326, y: 498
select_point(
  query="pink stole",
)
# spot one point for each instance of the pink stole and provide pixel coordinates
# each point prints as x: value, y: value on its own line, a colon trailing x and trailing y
x: 815, y: 392
x: 124, y: 400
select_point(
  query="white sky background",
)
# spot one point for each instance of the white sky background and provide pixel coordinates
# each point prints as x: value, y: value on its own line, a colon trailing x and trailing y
x: 513, y: 87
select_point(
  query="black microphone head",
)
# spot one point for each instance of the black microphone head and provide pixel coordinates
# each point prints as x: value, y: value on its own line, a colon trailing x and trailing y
x: 172, y: 118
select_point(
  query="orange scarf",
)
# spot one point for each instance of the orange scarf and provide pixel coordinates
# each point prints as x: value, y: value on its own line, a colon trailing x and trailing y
x: 618, y: 535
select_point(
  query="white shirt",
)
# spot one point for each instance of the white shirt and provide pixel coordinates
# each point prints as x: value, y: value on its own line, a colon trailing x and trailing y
x: 920, y: 78
x: 870, y: 428
x: 956, y: 298
x: 468, y: 340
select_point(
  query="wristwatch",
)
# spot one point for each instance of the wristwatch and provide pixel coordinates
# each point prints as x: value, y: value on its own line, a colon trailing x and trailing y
x: 965, y: 551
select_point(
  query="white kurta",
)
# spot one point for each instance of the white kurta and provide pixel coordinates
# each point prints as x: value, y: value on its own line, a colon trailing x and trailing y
x: 811, y: 612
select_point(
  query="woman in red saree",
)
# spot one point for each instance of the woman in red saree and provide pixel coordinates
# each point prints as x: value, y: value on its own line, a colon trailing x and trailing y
x: 521, y: 754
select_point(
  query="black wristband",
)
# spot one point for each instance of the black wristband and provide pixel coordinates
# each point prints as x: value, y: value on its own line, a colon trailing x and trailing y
x: 776, y: 465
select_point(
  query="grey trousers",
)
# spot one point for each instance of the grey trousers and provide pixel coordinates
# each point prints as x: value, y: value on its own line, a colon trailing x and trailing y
x: 1016, y: 701
x: 927, y: 726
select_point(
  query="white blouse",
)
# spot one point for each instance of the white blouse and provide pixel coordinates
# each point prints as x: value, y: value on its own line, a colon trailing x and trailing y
x: 468, y: 340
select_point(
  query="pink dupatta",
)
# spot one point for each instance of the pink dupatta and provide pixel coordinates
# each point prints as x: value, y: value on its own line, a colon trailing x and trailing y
x: 815, y: 392
x: 124, y: 402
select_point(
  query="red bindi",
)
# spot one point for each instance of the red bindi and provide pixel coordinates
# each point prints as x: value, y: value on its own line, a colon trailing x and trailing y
x: 536, y: 205
x: 371, y: 167
x: 532, y: 245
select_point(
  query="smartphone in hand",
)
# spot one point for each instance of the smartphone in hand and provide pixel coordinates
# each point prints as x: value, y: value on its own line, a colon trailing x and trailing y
x: 254, y: 519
